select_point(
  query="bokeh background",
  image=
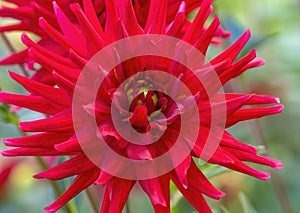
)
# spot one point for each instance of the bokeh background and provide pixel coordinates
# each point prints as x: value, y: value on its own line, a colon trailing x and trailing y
x: 275, y: 25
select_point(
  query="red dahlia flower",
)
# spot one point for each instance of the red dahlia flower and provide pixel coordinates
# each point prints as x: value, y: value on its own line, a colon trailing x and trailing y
x: 154, y: 104
x: 28, y: 13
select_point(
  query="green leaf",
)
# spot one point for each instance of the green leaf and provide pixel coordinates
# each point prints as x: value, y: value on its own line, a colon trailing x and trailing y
x: 6, y: 116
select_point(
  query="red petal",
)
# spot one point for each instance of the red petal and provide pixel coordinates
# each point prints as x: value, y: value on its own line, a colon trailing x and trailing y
x: 175, y: 28
x: 158, y: 191
x: 35, y: 103
x: 138, y: 152
x: 59, y: 38
x: 239, y: 166
x: 152, y: 187
x: 33, y: 152
x: 197, y: 26
x: 68, y: 146
x: 90, y: 13
x: 158, y: 21
x: 95, y: 42
x: 235, y: 70
x: 130, y: 20
x: 114, y: 199
x: 43, y: 75
x: 229, y: 141
x: 255, y: 99
x: 74, y: 166
x: 68, y: 72
x: 55, y: 95
x: 15, y: 58
x: 72, y: 34
x: 197, y: 181
x: 139, y: 117
x: 182, y: 171
x: 58, y: 123
x: 43, y: 140
x: 206, y: 38
x: 247, y: 114
x: 112, y: 16
x: 64, y: 83
x: 46, y: 52
x: 254, y: 158
x: 233, y: 51
x: 194, y: 197
x: 103, y: 178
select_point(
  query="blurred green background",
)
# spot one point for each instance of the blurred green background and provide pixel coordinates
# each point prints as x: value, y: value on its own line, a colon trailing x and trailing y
x: 275, y: 25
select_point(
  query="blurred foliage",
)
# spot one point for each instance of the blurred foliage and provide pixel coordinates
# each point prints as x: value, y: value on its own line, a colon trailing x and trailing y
x: 275, y: 25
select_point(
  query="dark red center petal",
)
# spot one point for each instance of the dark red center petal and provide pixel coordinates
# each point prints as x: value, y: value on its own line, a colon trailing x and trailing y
x: 139, y: 118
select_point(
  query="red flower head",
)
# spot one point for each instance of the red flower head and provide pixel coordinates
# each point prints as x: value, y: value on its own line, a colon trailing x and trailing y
x: 133, y: 100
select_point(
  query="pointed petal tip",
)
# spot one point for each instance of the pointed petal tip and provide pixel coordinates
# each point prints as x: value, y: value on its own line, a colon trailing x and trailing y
x: 7, y: 141
x: 226, y: 34
x: 248, y: 33
x: 277, y: 165
x: 58, y: 147
x: 182, y: 6
x: 49, y: 209
x: 54, y: 4
x: 10, y: 72
x: 103, y: 178
x: 205, y: 2
x: 260, y: 61
x: 89, y: 108
x: 279, y: 108
x: 57, y: 10
x: 219, y: 195
x: 42, y: 22
x: 217, y: 19
x: 4, y: 153
x: 185, y: 184
x: 38, y: 176
x: 22, y: 126
x: 253, y: 52
x: 8, y: 153
x: 14, y: 75
x: 4, y: 96
x: 265, y: 176
x: 25, y: 38
x: 75, y: 7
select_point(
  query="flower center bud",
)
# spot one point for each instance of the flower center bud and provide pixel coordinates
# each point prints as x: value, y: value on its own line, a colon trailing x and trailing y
x: 145, y: 105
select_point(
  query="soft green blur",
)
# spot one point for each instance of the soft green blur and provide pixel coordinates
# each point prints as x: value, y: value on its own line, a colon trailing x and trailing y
x: 276, y: 23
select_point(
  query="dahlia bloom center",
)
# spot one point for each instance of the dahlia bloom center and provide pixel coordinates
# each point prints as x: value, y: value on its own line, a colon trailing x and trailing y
x: 147, y: 107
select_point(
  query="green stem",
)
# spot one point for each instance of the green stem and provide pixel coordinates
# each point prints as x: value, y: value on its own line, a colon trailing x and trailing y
x: 44, y: 166
x: 92, y: 201
x: 127, y: 207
